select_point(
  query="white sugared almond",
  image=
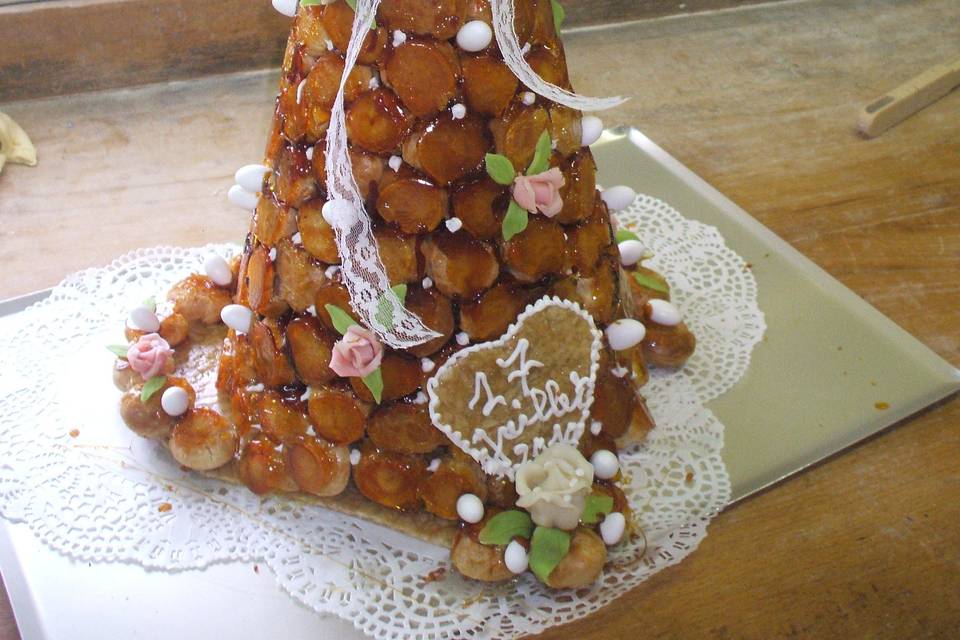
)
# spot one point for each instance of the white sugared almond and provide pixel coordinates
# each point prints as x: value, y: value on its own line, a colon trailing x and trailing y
x: 454, y: 225
x: 516, y: 558
x: 663, y: 313
x: 605, y: 464
x: 618, y: 198
x: 625, y: 334
x: 591, y: 128
x: 286, y: 7
x: 631, y: 252
x: 218, y: 270
x: 458, y: 111
x: 529, y: 97
x: 395, y: 163
x: 250, y: 177
x: 476, y: 35
x: 339, y: 213
x: 612, y: 528
x: 144, y: 319
x: 242, y: 198
x: 237, y: 317
x: 175, y: 402
x: 470, y: 508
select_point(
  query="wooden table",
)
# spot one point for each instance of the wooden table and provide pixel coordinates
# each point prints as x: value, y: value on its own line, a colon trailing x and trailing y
x: 762, y: 103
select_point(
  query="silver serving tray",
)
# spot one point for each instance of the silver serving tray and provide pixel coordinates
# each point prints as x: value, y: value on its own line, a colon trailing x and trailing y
x: 812, y: 390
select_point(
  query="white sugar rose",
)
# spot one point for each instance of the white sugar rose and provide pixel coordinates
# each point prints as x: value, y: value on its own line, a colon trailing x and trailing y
x: 553, y: 486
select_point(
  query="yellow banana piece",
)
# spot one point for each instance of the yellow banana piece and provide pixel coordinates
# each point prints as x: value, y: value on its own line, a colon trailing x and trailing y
x: 15, y: 145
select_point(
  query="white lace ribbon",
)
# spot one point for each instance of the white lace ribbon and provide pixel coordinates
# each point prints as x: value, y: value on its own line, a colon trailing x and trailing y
x: 513, y: 55
x: 362, y: 269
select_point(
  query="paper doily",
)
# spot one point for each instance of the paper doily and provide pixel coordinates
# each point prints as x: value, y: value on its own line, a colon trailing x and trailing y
x: 94, y: 495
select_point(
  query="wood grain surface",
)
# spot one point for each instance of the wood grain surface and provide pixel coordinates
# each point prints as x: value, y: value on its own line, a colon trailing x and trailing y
x: 87, y: 45
x: 762, y: 103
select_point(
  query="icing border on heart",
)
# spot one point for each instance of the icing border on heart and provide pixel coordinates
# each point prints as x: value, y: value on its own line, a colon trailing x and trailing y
x: 568, y: 401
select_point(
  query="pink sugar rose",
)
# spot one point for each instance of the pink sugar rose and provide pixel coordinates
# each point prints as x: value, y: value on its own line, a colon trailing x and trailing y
x: 357, y: 354
x: 540, y: 192
x: 149, y: 355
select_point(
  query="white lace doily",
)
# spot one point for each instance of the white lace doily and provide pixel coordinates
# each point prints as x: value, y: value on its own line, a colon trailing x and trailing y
x: 96, y: 493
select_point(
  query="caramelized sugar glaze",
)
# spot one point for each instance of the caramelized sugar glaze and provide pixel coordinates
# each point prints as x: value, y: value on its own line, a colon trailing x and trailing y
x: 295, y: 418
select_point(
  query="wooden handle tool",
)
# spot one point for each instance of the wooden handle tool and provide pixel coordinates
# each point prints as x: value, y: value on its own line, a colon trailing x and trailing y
x: 910, y: 97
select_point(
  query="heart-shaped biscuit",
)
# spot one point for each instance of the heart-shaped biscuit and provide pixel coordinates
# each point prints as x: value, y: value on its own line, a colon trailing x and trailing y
x: 505, y: 401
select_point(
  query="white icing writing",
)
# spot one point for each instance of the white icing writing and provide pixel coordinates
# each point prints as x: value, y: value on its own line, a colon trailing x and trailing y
x: 481, y: 384
x: 496, y: 448
x: 546, y: 403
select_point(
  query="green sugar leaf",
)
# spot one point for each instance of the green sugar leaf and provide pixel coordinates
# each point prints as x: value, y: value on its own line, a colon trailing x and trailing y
x: 505, y: 526
x: 118, y: 350
x: 374, y: 382
x: 500, y: 169
x: 547, y: 548
x: 515, y: 221
x: 385, y: 309
x: 594, y: 507
x: 648, y: 281
x: 340, y: 318
x: 151, y: 386
x: 353, y: 5
x: 541, y: 159
x: 625, y: 234
x: 559, y: 14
